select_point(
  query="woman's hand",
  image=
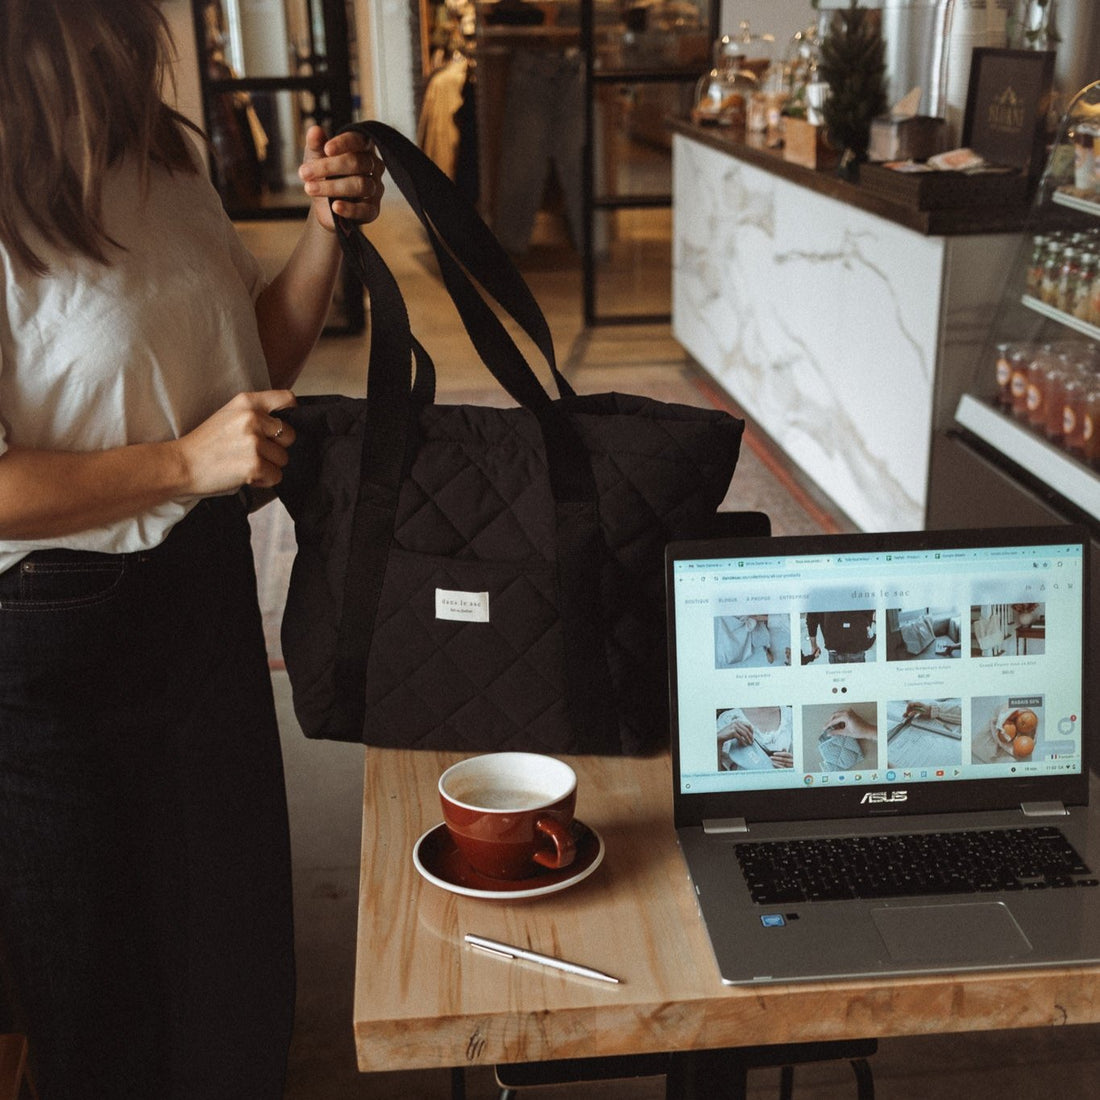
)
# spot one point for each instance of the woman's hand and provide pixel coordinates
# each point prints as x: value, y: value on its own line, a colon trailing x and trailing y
x: 738, y: 730
x: 850, y: 724
x: 346, y: 169
x: 50, y: 494
x: 241, y: 444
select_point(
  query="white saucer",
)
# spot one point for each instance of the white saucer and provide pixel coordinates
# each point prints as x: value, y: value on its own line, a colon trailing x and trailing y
x: 439, y: 861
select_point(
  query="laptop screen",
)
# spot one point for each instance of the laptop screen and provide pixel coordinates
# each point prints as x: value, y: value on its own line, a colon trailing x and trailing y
x: 897, y: 665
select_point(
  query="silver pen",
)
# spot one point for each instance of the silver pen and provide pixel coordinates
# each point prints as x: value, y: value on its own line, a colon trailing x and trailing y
x: 507, y: 951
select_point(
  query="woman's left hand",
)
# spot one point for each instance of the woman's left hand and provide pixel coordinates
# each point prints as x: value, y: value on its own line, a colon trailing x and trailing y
x: 346, y: 169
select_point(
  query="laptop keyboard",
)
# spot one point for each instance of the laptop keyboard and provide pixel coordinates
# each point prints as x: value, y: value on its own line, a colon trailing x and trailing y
x: 911, y: 865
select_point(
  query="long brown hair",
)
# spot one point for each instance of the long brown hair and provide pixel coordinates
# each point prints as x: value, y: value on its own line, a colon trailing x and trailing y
x: 81, y: 84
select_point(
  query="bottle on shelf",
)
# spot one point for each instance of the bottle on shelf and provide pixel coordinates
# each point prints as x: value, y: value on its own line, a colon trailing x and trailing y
x: 1045, y: 362
x: 1073, y: 428
x: 1020, y: 363
x: 1068, y: 278
x: 1054, y: 421
x: 1035, y: 265
x: 1090, y: 432
x: 1002, y: 372
x: 1080, y: 304
x: 1052, y: 270
x: 1054, y: 390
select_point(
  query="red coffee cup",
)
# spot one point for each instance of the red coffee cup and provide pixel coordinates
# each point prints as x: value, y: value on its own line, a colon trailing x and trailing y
x: 511, y: 813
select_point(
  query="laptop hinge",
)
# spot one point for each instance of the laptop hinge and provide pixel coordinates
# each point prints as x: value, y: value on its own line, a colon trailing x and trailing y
x: 1044, y: 809
x: 725, y: 825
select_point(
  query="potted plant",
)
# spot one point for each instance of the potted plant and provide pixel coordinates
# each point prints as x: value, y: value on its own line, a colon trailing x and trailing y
x: 853, y: 65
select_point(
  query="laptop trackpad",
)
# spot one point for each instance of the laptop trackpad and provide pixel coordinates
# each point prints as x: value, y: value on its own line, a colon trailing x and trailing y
x: 979, y: 932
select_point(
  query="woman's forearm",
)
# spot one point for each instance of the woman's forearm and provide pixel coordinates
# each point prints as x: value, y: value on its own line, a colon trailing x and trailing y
x: 292, y: 309
x: 50, y: 494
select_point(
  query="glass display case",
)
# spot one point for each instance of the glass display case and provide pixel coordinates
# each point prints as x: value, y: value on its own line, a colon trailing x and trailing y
x: 1033, y: 405
x: 1022, y: 448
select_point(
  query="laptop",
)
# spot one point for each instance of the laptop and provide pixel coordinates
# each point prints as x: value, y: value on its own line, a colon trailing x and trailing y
x: 880, y: 751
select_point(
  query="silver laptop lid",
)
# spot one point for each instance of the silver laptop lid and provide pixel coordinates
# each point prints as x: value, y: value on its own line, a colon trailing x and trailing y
x: 850, y: 675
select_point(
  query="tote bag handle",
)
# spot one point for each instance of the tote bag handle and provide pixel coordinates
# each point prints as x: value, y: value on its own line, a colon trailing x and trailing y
x: 455, y: 229
x: 460, y: 240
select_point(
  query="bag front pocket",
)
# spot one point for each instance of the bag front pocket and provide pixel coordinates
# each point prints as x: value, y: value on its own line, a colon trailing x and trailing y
x: 467, y: 655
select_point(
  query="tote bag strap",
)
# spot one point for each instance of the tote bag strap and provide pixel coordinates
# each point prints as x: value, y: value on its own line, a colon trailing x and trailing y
x: 455, y: 229
x: 386, y: 432
x: 392, y: 407
x: 466, y: 244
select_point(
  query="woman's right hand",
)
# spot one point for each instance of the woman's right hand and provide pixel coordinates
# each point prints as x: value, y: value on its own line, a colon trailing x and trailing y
x: 241, y: 444
x: 738, y: 730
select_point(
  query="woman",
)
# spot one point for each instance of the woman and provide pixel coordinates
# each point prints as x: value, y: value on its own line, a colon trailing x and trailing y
x: 145, y: 922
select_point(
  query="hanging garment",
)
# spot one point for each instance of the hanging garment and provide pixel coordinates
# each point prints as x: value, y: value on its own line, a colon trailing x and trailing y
x: 437, y: 132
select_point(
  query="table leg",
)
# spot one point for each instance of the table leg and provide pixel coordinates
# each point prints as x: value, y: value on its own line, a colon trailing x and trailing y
x: 705, y: 1074
x: 458, y: 1083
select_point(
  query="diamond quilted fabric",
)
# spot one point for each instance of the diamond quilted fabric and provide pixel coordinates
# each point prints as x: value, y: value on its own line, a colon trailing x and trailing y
x: 476, y: 515
x: 478, y: 578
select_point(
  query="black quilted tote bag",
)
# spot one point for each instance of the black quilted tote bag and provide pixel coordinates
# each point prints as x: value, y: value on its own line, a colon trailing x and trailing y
x: 478, y: 578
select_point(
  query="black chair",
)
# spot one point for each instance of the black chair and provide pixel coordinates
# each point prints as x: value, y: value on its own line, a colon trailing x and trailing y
x: 742, y: 525
x: 15, y: 1078
x: 697, y: 1075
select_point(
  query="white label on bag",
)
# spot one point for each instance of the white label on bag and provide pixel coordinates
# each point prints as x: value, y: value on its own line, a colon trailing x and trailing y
x: 466, y: 607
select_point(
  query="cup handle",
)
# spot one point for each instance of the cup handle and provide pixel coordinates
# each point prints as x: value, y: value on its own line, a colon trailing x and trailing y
x: 565, y: 847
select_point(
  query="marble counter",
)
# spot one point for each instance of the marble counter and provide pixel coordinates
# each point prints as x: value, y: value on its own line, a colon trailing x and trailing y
x: 843, y: 334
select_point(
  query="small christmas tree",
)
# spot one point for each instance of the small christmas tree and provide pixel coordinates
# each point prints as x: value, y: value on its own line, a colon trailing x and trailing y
x: 853, y: 64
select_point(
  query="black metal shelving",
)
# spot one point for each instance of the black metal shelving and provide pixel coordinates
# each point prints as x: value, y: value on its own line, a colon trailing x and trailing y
x: 593, y: 203
x: 326, y: 75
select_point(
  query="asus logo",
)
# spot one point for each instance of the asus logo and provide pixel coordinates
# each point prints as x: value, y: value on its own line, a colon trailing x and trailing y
x: 883, y: 796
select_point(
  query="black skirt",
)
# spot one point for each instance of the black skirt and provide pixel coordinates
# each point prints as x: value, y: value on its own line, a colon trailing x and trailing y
x: 145, y: 889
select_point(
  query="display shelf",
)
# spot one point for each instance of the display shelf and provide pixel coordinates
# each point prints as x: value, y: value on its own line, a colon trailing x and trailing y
x: 1028, y: 461
x: 1063, y: 318
x: 1075, y: 202
x: 1051, y: 465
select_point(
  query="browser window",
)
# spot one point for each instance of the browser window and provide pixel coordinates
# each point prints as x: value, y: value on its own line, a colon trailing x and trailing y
x: 884, y: 668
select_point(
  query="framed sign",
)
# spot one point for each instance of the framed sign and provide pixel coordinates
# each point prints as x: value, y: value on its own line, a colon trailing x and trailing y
x: 1006, y: 106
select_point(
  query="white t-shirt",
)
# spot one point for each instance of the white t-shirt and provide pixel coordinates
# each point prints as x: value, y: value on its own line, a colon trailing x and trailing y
x: 140, y: 351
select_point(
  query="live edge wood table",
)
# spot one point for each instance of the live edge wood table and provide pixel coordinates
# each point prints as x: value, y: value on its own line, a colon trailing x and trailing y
x: 423, y: 999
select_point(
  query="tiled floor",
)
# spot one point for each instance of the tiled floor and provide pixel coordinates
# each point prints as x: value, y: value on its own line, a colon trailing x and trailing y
x: 324, y: 779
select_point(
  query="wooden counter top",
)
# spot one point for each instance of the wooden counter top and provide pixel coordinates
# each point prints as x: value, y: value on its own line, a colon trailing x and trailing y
x: 750, y: 148
x: 423, y: 999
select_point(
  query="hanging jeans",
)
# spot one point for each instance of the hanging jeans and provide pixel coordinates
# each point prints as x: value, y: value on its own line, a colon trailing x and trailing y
x: 145, y: 904
x: 543, y: 125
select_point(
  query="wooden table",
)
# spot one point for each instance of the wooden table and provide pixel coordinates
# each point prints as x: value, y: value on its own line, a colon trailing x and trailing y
x: 425, y: 1000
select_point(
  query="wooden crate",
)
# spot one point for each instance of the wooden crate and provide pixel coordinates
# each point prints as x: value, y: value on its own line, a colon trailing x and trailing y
x: 805, y: 144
